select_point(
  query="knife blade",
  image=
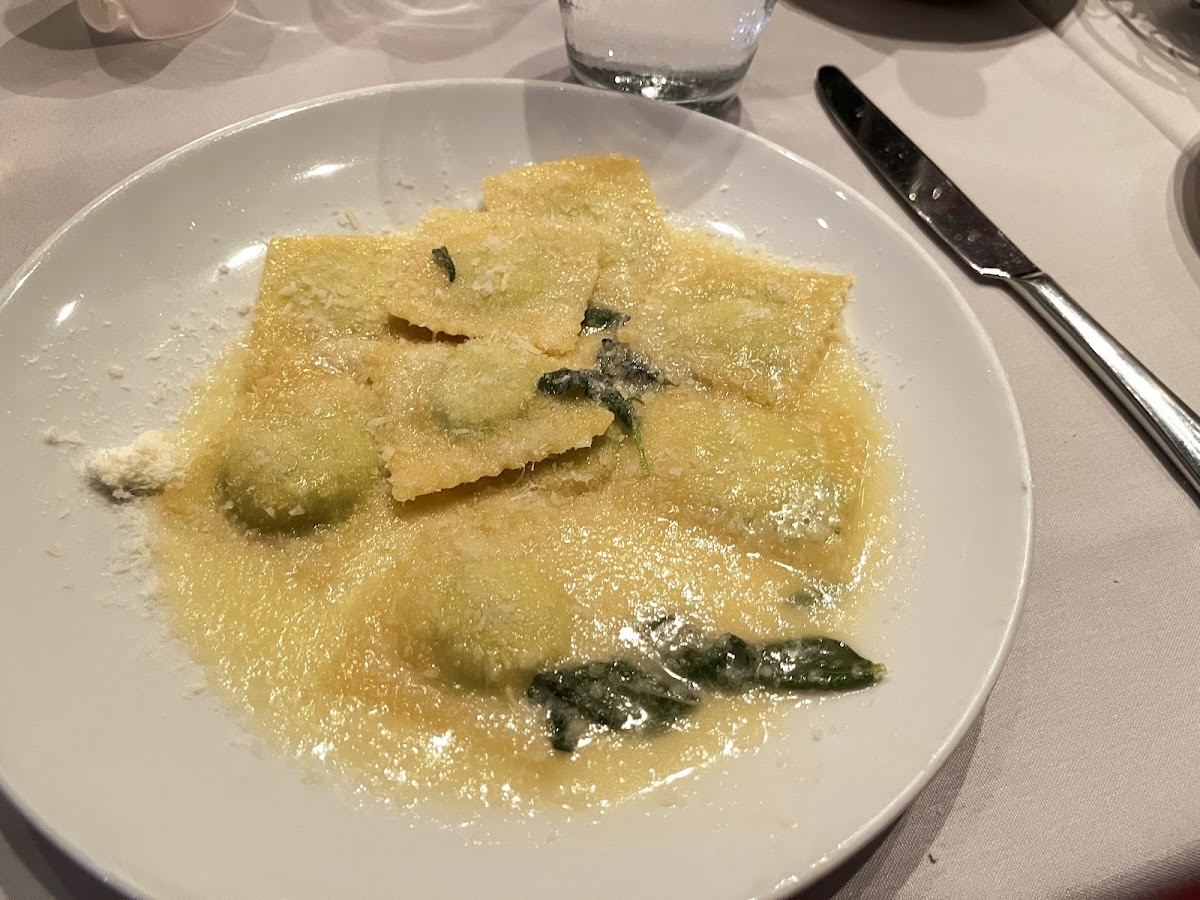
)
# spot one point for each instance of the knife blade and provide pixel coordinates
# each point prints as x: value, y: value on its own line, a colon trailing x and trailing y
x: 964, y: 229
x: 935, y: 199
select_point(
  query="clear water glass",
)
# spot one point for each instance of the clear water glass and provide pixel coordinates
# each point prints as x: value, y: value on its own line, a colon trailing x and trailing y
x: 692, y: 52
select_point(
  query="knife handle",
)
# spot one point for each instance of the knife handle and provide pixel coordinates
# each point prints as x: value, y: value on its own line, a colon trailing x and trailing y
x: 1166, y: 418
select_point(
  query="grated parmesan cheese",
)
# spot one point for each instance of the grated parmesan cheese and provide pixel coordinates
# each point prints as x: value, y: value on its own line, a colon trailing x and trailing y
x: 148, y: 464
x: 53, y: 436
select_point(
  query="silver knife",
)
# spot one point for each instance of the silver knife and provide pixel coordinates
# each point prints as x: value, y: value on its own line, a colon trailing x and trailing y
x: 950, y: 215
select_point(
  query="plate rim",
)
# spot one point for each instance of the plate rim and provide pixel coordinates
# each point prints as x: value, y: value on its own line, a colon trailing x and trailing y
x: 872, y: 827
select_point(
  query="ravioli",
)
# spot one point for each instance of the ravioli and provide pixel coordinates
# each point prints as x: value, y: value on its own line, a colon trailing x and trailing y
x: 456, y: 414
x: 734, y: 320
x: 325, y: 286
x: 295, y: 472
x: 495, y: 619
x: 297, y: 451
x: 745, y: 469
x: 609, y: 193
x: 513, y: 277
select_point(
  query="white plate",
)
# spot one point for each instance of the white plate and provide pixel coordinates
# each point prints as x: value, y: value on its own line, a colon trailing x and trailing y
x: 101, y: 741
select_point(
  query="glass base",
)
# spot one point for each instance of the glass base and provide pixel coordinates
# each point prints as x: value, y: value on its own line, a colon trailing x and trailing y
x: 703, y: 91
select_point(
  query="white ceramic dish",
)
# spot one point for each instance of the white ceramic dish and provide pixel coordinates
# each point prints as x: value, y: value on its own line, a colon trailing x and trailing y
x: 102, y: 741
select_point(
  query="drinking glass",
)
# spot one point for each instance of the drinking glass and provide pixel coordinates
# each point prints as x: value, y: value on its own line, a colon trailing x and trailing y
x: 692, y: 52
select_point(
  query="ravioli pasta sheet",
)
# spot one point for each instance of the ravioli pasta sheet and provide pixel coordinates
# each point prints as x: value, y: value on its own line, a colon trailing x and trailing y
x: 734, y: 320
x: 743, y: 469
x: 455, y: 414
x: 610, y: 193
x: 320, y: 287
x: 533, y: 506
x: 516, y: 277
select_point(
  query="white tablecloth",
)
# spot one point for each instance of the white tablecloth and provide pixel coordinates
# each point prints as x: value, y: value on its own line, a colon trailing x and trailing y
x: 1078, y: 780
x: 1148, y: 50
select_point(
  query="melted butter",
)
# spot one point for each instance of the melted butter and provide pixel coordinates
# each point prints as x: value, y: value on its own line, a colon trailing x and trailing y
x: 322, y: 638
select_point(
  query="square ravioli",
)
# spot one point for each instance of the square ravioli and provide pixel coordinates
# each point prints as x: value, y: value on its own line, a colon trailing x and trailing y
x: 742, y: 322
x: 497, y: 274
x: 458, y: 413
x: 325, y: 285
x: 610, y: 193
x: 742, y: 468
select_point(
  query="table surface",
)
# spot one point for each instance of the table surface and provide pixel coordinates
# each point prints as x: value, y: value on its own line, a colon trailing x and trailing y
x: 1148, y: 50
x: 1078, y: 779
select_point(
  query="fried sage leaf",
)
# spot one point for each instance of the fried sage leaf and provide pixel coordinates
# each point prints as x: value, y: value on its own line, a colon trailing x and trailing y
x: 597, y: 386
x: 730, y: 663
x: 442, y: 257
x: 616, y: 695
x: 798, y: 664
x: 601, y: 318
x: 621, y: 696
x: 622, y: 363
